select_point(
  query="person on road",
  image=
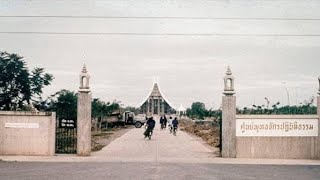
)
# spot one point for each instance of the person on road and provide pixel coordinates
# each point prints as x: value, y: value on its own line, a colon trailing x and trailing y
x: 170, y: 124
x: 150, y: 126
x: 165, y: 121
x: 175, y: 124
x: 162, y: 122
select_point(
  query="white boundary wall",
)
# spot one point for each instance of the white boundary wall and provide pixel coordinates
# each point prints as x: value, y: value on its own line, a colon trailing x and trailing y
x: 278, y: 136
x: 27, y: 133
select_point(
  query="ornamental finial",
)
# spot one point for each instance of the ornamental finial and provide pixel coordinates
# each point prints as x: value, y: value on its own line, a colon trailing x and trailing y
x: 229, y: 72
x: 84, y: 69
x: 229, y: 83
x: 84, y: 80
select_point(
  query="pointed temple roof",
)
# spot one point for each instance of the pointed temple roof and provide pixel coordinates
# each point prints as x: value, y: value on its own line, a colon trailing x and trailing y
x: 156, y: 92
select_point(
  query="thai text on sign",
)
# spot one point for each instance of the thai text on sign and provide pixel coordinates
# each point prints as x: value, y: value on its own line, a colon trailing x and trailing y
x: 277, y: 127
x: 67, y: 123
x: 22, y: 125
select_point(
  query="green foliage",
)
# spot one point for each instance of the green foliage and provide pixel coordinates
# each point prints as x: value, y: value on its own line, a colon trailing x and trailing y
x: 132, y: 109
x: 101, y: 109
x: 38, y: 80
x: 18, y: 87
x: 215, y: 113
x: 197, y: 110
x: 306, y: 107
x: 64, y: 103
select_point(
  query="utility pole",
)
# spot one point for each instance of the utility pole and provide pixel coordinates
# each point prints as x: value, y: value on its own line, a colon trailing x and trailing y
x: 287, y: 91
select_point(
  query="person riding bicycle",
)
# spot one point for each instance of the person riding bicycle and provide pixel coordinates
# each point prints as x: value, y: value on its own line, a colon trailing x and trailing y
x: 170, y: 124
x: 165, y: 121
x: 162, y: 122
x: 175, y: 124
x: 150, y: 126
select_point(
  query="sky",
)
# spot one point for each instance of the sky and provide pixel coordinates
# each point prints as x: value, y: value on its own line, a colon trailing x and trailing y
x: 272, y: 47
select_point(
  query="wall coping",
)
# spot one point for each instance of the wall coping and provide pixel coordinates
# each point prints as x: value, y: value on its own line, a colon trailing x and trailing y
x: 277, y: 117
x: 25, y: 113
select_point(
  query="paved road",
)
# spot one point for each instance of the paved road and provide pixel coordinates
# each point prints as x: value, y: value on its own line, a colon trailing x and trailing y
x: 163, y: 147
x: 153, y: 171
x: 164, y: 157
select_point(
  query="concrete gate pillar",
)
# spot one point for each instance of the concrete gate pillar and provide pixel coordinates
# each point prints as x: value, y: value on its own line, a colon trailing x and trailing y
x: 84, y: 115
x: 229, y: 149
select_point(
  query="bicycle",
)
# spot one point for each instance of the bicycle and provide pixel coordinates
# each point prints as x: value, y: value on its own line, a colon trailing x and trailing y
x: 162, y: 126
x: 170, y: 128
x: 150, y: 132
x: 175, y: 129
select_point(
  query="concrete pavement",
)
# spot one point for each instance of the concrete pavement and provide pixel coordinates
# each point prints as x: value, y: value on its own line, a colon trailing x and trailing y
x: 163, y: 148
x: 164, y: 157
x: 153, y: 171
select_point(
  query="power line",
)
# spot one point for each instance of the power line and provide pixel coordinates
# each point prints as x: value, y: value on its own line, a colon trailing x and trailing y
x: 162, y: 17
x: 157, y: 34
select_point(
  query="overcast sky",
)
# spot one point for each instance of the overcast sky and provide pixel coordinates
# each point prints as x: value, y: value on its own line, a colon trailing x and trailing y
x: 190, y: 68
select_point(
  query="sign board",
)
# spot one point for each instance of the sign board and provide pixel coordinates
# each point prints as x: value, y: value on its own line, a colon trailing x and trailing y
x: 67, y: 123
x: 22, y: 125
x: 277, y: 127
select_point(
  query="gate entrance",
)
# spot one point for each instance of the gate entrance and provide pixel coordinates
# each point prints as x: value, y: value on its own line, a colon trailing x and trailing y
x: 66, y: 137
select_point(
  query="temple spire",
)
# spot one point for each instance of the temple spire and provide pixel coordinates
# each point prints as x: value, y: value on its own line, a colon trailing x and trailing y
x: 156, y: 104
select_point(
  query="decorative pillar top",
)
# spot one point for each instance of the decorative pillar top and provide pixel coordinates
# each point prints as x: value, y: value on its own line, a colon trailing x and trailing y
x: 229, y: 73
x: 319, y: 85
x: 229, y: 83
x: 84, y: 80
x: 84, y: 69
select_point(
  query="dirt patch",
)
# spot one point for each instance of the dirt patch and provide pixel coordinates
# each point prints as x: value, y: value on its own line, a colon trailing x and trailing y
x: 102, y: 139
x: 208, y: 132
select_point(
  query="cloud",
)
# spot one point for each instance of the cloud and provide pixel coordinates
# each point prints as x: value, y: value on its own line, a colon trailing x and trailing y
x: 190, y: 68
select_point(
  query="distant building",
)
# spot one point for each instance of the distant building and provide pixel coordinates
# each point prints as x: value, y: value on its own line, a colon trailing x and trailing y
x: 156, y: 104
x: 181, y: 110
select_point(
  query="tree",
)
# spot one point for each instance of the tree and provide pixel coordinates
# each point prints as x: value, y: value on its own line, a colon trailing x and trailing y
x: 18, y: 86
x: 307, y: 107
x: 64, y: 103
x: 132, y: 109
x: 100, y: 110
x: 198, y: 110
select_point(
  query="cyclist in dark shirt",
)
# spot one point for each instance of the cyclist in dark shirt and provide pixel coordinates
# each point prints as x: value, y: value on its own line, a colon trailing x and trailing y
x: 151, y: 123
x: 175, y: 124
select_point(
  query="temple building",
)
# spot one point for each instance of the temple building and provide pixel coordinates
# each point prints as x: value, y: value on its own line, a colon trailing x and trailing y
x: 156, y: 104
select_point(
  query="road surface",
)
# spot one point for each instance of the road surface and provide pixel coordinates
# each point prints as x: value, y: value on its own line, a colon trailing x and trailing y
x: 165, y: 157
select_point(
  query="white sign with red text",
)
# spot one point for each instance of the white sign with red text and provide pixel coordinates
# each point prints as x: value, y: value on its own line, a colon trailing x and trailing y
x: 277, y: 127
